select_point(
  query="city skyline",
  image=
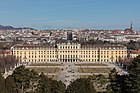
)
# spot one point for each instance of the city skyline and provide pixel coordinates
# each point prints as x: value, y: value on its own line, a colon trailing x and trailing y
x: 46, y: 14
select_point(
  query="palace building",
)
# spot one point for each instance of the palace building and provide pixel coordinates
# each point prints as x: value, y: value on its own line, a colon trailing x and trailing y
x: 69, y: 52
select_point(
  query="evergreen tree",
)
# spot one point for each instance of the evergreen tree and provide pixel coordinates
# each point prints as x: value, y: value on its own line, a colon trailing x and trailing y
x: 47, y: 85
x: 10, y: 85
x: 2, y: 84
x: 81, y: 85
x: 57, y: 87
x: 133, y: 78
x: 44, y: 84
x: 114, y: 86
x: 22, y: 78
x: 129, y: 83
x: 100, y: 82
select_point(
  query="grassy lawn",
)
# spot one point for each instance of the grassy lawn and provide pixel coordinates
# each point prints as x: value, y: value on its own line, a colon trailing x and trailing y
x: 47, y: 70
x: 45, y: 64
x: 93, y: 70
x: 90, y: 64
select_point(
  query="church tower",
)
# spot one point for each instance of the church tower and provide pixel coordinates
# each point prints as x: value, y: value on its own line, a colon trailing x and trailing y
x: 129, y: 30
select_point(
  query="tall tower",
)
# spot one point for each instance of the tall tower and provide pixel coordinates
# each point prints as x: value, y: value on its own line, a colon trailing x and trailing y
x: 131, y: 26
x: 69, y: 36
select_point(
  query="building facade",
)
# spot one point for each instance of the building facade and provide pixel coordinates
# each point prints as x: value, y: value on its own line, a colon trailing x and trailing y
x: 4, y: 53
x: 69, y: 52
x: 134, y: 53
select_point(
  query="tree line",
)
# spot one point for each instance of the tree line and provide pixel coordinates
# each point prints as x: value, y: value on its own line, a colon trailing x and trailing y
x: 7, y: 62
x: 129, y: 83
x: 24, y: 80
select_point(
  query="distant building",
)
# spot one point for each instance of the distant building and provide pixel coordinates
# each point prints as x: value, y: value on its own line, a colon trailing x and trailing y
x: 4, y: 53
x: 134, y: 53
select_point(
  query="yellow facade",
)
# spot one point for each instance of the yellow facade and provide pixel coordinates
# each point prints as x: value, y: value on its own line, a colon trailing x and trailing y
x: 69, y: 52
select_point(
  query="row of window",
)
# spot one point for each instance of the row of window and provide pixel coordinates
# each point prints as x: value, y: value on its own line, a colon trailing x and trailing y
x: 68, y: 51
x: 33, y: 52
x: 48, y: 56
x: 68, y: 56
x: 96, y: 60
x: 68, y: 47
x: 44, y: 52
x: 35, y: 60
x: 44, y: 60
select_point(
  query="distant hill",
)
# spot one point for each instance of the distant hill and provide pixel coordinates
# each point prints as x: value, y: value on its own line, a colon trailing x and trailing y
x: 12, y: 28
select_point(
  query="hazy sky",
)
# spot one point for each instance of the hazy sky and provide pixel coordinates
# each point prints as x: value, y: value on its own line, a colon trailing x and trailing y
x: 43, y: 14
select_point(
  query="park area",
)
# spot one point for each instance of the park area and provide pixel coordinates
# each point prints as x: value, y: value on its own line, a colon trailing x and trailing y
x: 84, y: 70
